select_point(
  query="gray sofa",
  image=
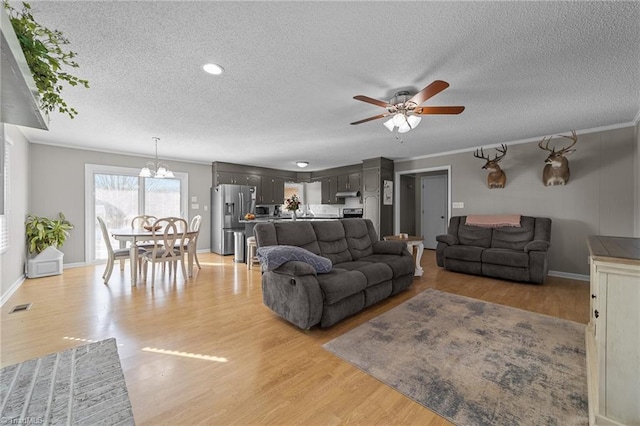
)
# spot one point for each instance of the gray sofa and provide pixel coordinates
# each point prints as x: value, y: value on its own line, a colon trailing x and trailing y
x: 512, y: 253
x: 362, y: 270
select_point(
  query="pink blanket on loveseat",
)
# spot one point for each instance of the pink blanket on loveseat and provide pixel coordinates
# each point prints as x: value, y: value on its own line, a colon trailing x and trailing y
x: 493, y: 220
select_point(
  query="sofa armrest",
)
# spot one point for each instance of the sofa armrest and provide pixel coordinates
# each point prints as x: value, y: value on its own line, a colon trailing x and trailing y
x: 295, y: 267
x: 447, y: 239
x: 536, y: 245
x: 296, y: 298
x: 389, y: 247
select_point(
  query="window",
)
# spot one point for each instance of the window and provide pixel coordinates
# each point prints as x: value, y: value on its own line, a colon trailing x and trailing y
x: 5, y: 152
x: 118, y: 194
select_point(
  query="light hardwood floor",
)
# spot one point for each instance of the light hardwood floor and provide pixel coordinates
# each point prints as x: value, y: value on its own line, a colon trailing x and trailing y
x: 209, y: 352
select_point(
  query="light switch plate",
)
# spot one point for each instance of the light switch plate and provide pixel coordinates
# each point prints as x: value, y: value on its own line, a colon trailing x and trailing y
x: 194, y: 199
x: 195, y: 206
x: 458, y: 205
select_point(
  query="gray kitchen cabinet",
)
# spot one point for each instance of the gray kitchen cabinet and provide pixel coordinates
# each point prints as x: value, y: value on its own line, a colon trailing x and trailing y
x: 349, y: 182
x: 231, y: 178
x: 271, y: 190
x: 374, y: 172
x: 329, y: 189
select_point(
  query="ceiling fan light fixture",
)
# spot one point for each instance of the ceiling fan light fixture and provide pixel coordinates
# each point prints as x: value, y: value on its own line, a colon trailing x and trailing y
x: 302, y: 164
x: 404, y: 128
x: 399, y: 119
x: 413, y: 121
x: 389, y: 124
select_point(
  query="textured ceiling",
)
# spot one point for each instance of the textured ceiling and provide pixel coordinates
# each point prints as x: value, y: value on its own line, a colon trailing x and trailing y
x: 522, y: 69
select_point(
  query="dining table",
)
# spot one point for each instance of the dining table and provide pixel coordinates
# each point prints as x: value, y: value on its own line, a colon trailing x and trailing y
x: 135, y: 235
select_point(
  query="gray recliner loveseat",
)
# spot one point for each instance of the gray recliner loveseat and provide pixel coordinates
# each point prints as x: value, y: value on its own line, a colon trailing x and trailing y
x: 343, y: 269
x: 507, y: 252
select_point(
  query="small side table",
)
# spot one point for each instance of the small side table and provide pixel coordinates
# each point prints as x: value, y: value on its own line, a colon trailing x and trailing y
x: 412, y: 241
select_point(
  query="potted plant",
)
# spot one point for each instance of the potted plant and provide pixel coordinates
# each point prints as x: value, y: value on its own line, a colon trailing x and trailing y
x: 44, y: 236
x: 46, y: 58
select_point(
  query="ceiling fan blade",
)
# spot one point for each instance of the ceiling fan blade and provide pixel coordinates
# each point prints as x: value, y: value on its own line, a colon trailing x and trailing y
x: 369, y: 100
x: 429, y: 91
x: 439, y: 110
x: 371, y: 118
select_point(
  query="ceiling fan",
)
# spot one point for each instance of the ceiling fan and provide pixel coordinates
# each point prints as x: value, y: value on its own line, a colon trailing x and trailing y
x: 405, y: 109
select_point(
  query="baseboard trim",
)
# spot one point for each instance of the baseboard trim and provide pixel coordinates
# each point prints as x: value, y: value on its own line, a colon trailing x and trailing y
x: 569, y: 275
x: 73, y: 265
x: 15, y: 286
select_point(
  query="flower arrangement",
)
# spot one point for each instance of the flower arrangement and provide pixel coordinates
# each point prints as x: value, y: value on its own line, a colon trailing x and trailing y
x: 292, y: 204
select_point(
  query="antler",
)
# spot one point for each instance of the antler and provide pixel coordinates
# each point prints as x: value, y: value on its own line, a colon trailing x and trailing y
x: 502, y: 151
x: 546, y: 147
x: 481, y: 155
x: 573, y: 137
x: 497, y: 158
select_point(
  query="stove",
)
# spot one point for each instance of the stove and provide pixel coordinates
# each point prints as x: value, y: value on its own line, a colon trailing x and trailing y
x: 351, y: 213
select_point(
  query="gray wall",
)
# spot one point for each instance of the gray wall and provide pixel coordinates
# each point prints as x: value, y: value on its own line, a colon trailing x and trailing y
x: 408, y: 199
x: 637, y: 180
x: 599, y: 198
x: 57, y: 177
x: 12, y: 261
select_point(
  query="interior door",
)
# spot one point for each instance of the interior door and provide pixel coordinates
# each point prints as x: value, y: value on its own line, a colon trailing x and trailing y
x: 434, y: 208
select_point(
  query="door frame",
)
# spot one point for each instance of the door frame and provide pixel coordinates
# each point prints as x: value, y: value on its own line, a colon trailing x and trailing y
x: 396, y: 197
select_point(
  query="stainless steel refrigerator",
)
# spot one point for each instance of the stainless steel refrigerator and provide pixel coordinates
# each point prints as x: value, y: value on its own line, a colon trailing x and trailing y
x: 229, y: 204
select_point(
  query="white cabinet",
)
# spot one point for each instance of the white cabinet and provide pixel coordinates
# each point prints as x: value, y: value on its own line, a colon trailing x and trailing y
x: 613, y: 334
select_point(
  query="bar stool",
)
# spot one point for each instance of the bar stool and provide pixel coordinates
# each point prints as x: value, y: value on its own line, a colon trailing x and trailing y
x: 251, y: 252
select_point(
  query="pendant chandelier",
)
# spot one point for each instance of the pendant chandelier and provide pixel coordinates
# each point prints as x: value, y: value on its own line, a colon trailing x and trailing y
x: 158, y: 169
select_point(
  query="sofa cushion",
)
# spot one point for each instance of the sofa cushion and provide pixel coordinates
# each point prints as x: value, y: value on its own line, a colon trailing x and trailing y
x: 332, y: 241
x: 300, y: 234
x: 474, y: 235
x: 271, y: 257
x: 340, y: 283
x: 505, y: 257
x: 358, y: 237
x: 351, y: 266
x: 514, y: 238
x: 400, y: 265
x: 376, y: 273
x: 469, y: 253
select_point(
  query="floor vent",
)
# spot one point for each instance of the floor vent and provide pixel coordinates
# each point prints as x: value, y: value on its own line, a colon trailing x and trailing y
x: 21, y: 308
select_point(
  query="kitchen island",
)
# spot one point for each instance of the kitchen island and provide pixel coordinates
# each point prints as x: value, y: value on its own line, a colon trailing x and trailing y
x: 249, y: 224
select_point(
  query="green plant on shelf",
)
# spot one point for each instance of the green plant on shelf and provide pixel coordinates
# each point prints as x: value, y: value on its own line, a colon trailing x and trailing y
x: 43, y: 50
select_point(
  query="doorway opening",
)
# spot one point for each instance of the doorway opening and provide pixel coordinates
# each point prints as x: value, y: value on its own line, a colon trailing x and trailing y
x: 422, y: 204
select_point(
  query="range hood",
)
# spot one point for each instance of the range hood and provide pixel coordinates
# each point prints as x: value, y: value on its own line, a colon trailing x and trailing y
x: 347, y: 194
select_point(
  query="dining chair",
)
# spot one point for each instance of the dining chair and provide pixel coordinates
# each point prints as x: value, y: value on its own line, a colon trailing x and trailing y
x: 113, y: 255
x: 139, y: 222
x: 173, y: 233
x: 195, y: 226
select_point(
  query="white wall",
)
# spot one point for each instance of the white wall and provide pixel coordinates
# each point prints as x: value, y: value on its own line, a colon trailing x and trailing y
x: 599, y: 198
x: 12, y: 261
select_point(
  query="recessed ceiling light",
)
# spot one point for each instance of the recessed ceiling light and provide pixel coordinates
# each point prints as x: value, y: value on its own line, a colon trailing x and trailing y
x: 302, y: 164
x: 213, y: 69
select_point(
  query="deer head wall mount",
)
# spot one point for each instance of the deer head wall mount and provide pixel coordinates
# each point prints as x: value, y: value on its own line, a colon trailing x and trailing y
x: 496, y: 177
x: 556, y: 171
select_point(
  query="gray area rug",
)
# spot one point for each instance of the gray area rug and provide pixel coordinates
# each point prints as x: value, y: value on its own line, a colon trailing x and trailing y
x: 79, y: 386
x: 473, y: 362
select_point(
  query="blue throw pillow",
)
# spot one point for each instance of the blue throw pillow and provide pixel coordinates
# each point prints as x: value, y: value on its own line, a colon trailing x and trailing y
x: 271, y: 257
